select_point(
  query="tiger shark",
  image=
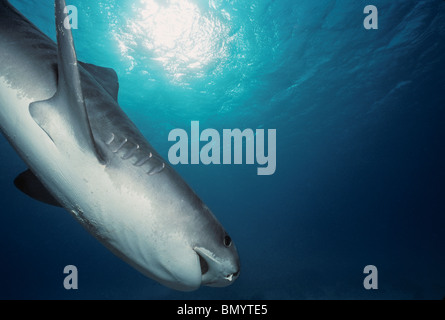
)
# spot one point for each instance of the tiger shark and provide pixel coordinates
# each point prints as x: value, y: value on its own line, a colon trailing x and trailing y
x: 84, y: 154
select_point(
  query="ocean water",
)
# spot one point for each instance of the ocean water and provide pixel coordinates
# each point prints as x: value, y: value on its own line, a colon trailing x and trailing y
x: 359, y: 116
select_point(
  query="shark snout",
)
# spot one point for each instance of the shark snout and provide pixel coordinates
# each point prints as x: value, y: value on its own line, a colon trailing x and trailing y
x: 217, y: 271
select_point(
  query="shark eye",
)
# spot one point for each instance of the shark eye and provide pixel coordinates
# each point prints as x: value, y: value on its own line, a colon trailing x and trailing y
x: 227, y: 241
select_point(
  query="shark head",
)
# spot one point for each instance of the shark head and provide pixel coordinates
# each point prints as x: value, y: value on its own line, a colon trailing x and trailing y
x: 220, y: 265
x: 204, y: 252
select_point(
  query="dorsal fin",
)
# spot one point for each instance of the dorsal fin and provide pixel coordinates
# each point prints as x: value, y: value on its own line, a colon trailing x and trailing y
x: 66, y: 109
x: 106, y: 77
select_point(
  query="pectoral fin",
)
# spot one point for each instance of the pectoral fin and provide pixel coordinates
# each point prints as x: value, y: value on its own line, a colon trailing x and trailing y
x: 65, y: 111
x: 30, y: 185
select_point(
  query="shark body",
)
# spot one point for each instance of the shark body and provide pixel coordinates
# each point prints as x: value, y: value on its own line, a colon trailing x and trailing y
x: 84, y: 154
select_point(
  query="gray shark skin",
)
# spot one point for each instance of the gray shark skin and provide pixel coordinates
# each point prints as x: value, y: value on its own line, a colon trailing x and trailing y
x: 85, y: 155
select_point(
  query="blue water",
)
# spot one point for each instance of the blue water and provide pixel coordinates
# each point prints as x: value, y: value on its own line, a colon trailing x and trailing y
x: 359, y: 115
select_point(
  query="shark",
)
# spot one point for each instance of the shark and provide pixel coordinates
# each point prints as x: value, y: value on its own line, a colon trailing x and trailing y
x: 85, y: 155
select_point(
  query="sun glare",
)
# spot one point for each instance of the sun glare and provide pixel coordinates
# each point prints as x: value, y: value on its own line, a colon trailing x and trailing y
x: 176, y: 34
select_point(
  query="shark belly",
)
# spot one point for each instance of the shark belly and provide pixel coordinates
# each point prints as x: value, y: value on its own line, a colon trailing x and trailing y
x: 58, y: 171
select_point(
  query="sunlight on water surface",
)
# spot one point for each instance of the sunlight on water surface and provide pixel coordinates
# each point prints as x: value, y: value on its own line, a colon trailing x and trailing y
x: 183, y: 38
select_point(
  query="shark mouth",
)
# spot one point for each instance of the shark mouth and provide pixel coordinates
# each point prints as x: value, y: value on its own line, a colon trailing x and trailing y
x: 203, y: 263
x: 205, y: 260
